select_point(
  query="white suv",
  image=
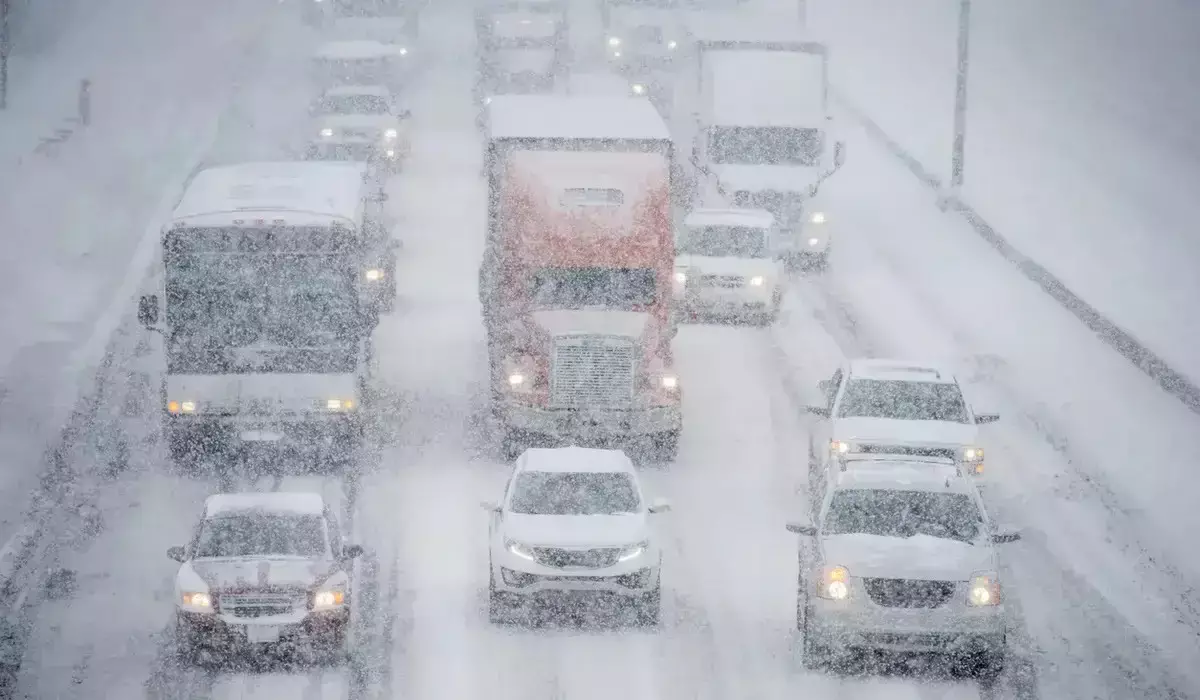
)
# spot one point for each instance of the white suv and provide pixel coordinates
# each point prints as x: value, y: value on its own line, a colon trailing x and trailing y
x: 574, y: 521
x: 262, y: 569
x: 902, y: 559
x: 898, y: 408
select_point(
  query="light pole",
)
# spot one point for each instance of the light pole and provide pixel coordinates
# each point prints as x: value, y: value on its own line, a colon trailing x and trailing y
x: 960, y: 96
x: 4, y: 54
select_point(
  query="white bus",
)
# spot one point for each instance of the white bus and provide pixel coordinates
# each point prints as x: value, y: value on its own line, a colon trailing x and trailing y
x: 271, y: 280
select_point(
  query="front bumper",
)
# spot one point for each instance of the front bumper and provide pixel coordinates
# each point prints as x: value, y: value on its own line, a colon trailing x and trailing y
x: 525, y: 578
x: 226, y: 633
x: 952, y: 628
x: 596, y: 424
x: 215, y: 433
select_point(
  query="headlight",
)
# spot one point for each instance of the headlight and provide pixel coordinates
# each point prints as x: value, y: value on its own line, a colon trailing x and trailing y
x: 390, y: 153
x: 984, y: 589
x: 638, y: 89
x: 973, y: 457
x: 633, y: 551
x: 839, y: 447
x: 326, y: 132
x: 516, y: 379
x: 814, y: 241
x: 339, y: 404
x: 487, y: 100
x: 196, y: 601
x: 181, y: 407
x: 325, y: 600
x: 835, y: 583
x: 373, y: 275
x: 757, y: 281
x: 519, y: 550
x: 672, y: 45
x: 681, y: 277
x: 403, y: 52
x: 818, y: 217
x: 669, y: 382
x: 614, y: 41
x: 391, y: 134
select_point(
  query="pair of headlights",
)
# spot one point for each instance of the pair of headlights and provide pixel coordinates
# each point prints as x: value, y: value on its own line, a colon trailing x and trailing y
x: 326, y: 599
x: 983, y: 589
x: 330, y: 404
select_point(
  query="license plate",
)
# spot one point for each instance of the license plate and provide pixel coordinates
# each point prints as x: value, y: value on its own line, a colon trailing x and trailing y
x: 262, y: 634
x: 260, y: 436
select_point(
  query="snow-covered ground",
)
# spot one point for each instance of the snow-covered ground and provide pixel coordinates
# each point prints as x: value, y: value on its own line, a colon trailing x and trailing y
x: 1084, y: 461
x: 1081, y: 143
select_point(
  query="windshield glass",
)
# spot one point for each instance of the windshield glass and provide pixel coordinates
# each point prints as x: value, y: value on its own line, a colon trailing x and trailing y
x: 900, y: 400
x: 725, y: 241
x: 262, y: 535
x: 576, y: 288
x: 353, y: 104
x: 766, y: 145
x: 574, y: 493
x: 889, y: 513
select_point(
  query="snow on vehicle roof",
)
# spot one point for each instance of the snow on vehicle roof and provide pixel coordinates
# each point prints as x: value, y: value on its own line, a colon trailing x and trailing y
x: 282, y: 502
x: 766, y: 88
x: 358, y: 49
x: 900, y: 370
x: 575, y: 117
x: 353, y: 90
x: 751, y: 218
x: 575, y: 459
x: 327, y: 188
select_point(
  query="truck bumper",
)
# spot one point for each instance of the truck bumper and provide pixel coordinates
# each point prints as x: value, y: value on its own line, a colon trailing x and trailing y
x: 199, y: 435
x: 591, y: 424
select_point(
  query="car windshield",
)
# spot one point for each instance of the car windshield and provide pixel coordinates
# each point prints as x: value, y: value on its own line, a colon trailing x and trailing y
x: 889, y: 513
x: 262, y: 535
x: 574, y: 493
x: 575, y: 288
x: 725, y: 241
x: 745, y: 145
x: 353, y: 104
x: 903, y: 400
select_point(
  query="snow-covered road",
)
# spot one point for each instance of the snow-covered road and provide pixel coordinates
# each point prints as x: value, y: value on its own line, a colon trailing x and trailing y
x: 904, y: 281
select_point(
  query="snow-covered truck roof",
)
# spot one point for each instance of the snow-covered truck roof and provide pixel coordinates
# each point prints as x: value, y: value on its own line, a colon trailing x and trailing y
x: 576, y: 460
x: 282, y: 502
x: 312, y: 189
x: 575, y: 117
x: 764, y: 87
x: 748, y: 218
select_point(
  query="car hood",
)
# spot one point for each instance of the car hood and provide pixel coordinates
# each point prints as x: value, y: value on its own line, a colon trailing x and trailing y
x: 623, y: 324
x: 575, y: 530
x: 746, y: 267
x: 261, y: 572
x: 905, y: 432
x: 524, y: 60
x: 358, y: 121
x: 764, y: 178
x: 920, y: 557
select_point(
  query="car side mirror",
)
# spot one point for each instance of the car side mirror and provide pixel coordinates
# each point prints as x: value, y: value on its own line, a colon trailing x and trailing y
x: 825, y: 385
x: 981, y: 418
x: 822, y: 411
x: 839, y: 154
x: 147, y: 312
x: 178, y: 554
x: 352, y: 551
x: 404, y: 114
x: 1005, y: 536
x: 490, y: 506
x: 800, y: 528
x: 379, y: 196
x: 660, y: 505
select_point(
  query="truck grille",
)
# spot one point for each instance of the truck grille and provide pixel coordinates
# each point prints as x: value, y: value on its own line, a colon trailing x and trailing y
x: 592, y: 371
x: 906, y: 593
x: 257, y: 605
x: 357, y: 133
x: 911, y: 450
x: 583, y: 558
x: 726, y: 281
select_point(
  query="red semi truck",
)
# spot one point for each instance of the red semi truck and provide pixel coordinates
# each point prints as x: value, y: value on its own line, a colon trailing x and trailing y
x: 577, y: 273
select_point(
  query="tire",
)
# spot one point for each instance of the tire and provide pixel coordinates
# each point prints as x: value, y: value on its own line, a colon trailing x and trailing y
x: 649, y: 608
x: 813, y: 655
x: 500, y: 607
x: 666, y: 446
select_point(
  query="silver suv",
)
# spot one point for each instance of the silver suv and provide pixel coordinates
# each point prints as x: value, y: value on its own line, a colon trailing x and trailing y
x: 902, y: 558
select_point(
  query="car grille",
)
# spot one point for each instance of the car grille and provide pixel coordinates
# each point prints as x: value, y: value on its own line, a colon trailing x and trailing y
x: 914, y: 451
x: 647, y: 35
x: 726, y: 281
x: 906, y: 593
x: 357, y: 133
x: 257, y: 605
x: 581, y: 558
x: 592, y: 371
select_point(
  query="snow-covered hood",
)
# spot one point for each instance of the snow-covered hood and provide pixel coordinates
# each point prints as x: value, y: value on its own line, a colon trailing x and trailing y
x: 260, y: 393
x: 623, y: 324
x: 905, y: 432
x: 919, y: 557
x: 746, y: 267
x: 375, y: 122
x: 261, y: 572
x: 576, y: 530
x: 764, y: 178
x: 513, y: 61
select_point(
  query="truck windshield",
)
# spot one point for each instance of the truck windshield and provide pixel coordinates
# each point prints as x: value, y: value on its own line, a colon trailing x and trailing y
x: 262, y: 535
x: 725, y: 242
x: 761, y: 145
x: 576, y: 288
x: 352, y: 104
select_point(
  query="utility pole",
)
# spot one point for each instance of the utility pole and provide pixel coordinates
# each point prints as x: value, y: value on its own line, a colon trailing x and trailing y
x: 4, y: 45
x: 960, y: 96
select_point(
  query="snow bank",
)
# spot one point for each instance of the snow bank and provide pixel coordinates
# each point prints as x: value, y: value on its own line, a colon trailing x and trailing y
x: 1081, y: 147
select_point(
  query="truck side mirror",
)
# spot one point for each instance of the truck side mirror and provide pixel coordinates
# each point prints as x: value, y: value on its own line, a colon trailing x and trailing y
x: 839, y: 154
x: 148, y: 310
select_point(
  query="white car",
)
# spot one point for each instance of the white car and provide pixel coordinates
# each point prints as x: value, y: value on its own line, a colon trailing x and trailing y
x: 360, y: 122
x: 573, y: 521
x: 902, y: 559
x: 726, y: 265
x: 263, y: 569
x: 523, y: 44
x: 898, y: 408
x: 642, y: 35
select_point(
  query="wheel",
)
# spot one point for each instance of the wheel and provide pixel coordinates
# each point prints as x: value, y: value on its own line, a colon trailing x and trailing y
x: 813, y: 654
x: 649, y: 607
x: 985, y: 666
x: 666, y: 446
x: 500, y: 607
